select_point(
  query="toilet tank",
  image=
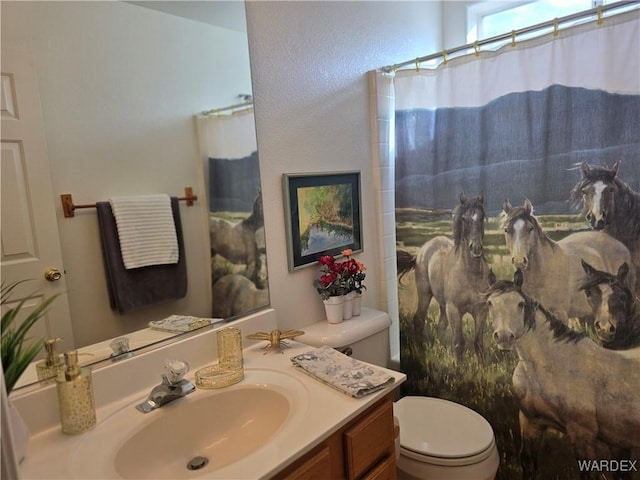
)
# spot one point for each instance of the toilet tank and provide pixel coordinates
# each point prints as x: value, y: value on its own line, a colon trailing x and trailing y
x: 367, y: 336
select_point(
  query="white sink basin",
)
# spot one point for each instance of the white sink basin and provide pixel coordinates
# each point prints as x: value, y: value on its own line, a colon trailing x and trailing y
x: 215, y: 430
x: 222, y: 426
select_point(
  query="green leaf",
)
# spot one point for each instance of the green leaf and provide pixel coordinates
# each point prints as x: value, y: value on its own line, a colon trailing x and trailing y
x: 15, y: 357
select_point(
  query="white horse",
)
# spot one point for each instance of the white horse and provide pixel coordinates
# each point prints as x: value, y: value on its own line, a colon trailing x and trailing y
x: 553, y: 270
x: 454, y: 273
x: 564, y: 381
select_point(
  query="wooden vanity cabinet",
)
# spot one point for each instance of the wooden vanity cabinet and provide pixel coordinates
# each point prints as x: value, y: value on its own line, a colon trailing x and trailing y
x: 364, y: 449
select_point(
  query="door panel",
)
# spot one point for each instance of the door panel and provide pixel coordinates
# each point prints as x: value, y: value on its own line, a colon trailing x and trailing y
x: 29, y: 229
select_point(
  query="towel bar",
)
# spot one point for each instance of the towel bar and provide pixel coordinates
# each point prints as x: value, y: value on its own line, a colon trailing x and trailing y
x: 68, y: 207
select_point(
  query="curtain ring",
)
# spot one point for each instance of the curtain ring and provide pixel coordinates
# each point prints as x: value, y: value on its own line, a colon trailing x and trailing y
x: 417, y: 64
x: 513, y: 38
x: 555, y: 27
x: 476, y: 48
x: 445, y: 58
x: 599, y: 11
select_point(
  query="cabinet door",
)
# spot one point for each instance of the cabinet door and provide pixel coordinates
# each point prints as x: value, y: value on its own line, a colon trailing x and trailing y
x: 369, y: 441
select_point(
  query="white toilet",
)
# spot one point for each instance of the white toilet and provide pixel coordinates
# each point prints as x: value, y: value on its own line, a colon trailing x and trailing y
x: 439, y: 439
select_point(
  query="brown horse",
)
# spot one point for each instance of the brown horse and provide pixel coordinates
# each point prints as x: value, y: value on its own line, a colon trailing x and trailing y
x: 454, y: 272
x: 238, y: 243
x: 564, y: 381
x: 610, y: 205
x: 615, y: 307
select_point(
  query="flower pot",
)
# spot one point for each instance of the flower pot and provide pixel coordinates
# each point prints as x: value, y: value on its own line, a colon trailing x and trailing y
x: 348, y: 306
x: 357, y: 303
x: 334, y: 309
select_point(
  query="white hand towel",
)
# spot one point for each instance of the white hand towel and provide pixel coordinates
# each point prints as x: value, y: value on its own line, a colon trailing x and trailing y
x: 344, y: 373
x: 146, y: 230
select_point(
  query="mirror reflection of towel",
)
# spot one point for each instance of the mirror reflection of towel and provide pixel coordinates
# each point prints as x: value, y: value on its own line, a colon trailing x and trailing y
x: 135, y: 289
x: 146, y: 230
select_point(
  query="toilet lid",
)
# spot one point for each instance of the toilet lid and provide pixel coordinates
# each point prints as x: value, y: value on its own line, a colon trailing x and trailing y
x: 440, y: 428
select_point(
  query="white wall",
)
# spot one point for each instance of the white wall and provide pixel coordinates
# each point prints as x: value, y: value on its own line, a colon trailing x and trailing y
x: 309, y: 64
x: 119, y: 86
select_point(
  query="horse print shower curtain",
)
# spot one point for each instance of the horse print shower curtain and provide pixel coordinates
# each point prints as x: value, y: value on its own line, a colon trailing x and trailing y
x: 517, y: 209
x: 236, y: 221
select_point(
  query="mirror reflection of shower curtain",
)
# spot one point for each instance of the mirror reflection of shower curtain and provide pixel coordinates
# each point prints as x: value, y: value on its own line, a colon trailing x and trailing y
x: 514, y: 124
x: 236, y: 222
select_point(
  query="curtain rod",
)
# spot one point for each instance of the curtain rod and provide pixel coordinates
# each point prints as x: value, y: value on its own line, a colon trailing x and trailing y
x: 213, y: 111
x: 599, y: 10
x: 247, y: 102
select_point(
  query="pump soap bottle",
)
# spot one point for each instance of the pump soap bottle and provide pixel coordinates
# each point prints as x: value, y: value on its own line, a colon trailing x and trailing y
x: 75, y: 396
x: 49, y: 368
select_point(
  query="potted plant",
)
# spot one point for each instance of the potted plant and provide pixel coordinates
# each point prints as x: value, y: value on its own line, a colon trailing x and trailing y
x: 16, y: 354
x: 332, y: 286
x: 353, y: 271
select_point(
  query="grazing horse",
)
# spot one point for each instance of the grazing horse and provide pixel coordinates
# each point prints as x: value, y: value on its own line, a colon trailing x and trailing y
x: 237, y: 243
x: 616, y: 308
x: 553, y: 270
x: 612, y: 206
x: 563, y: 380
x: 454, y: 272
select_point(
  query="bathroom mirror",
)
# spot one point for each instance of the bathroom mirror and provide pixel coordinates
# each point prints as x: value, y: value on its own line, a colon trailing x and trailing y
x: 143, y: 126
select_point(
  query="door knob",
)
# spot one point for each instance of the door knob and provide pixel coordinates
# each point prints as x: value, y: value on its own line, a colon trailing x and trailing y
x: 53, y: 274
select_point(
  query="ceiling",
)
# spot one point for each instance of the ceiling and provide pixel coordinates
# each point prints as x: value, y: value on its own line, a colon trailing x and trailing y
x: 221, y: 13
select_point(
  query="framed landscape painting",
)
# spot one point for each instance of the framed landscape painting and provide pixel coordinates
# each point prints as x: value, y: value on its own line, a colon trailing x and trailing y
x: 322, y: 215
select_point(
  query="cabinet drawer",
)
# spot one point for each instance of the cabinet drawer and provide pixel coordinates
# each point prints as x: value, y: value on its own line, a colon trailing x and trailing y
x: 369, y: 441
x: 315, y: 467
x: 385, y: 470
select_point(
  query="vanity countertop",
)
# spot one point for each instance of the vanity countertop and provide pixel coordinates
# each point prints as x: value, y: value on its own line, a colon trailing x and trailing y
x: 328, y: 409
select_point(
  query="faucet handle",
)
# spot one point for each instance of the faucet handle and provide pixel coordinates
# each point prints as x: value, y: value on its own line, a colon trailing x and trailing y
x: 176, y: 369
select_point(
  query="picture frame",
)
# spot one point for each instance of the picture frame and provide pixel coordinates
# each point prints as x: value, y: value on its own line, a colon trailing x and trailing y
x: 322, y: 215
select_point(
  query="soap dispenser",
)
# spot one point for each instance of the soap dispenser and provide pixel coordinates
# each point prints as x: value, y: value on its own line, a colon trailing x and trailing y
x: 49, y: 368
x: 75, y: 396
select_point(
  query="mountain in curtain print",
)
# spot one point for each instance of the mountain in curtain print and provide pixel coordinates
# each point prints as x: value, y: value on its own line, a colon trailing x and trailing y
x: 525, y: 144
x: 233, y: 183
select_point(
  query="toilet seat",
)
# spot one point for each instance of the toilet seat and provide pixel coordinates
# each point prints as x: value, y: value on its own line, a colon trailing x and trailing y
x: 440, y: 432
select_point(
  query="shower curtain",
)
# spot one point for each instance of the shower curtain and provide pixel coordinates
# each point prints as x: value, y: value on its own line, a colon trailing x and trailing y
x: 228, y: 145
x: 516, y: 124
x: 236, y: 222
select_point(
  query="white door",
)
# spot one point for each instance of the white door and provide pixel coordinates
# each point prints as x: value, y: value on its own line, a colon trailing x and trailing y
x: 29, y: 229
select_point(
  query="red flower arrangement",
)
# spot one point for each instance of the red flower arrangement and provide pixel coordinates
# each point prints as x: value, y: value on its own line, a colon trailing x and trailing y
x: 339, y: 278
x: 354, y: 272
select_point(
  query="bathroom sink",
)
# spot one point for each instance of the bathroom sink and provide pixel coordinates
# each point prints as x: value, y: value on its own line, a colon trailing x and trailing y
x: 211, y: 432
x: 198, y: 435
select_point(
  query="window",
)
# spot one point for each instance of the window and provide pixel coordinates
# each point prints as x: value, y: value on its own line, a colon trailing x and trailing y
x: 491, y: 18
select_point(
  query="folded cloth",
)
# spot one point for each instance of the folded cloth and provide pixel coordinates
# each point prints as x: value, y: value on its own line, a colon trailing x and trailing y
x: 344, y: 373
x: 131, y: 290
x: 181, y: 323
x: 146, y: 230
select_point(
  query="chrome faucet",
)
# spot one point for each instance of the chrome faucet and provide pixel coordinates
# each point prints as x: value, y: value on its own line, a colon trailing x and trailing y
x: 173, y: 386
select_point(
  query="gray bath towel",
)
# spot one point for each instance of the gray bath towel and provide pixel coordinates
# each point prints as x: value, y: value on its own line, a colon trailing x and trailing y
x: 132, y: 290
